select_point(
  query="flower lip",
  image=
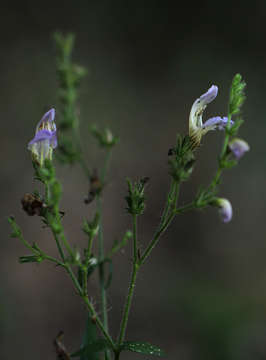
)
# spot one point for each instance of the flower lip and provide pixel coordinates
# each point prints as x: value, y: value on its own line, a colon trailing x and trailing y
x: 216, y: 122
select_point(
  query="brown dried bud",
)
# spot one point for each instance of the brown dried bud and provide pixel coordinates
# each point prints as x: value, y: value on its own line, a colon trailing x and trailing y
x: 32, y: 205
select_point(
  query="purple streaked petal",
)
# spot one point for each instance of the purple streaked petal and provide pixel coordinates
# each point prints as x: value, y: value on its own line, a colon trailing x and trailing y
x: 209, y: 96
x: 216, y: 122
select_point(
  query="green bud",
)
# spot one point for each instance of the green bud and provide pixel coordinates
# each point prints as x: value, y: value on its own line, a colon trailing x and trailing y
x: 182, y: 159
x: 64, y: 43
x: 76, y: 256
x: 237, y: 95
x: 91, y: 228
x: 135, y: 198
x: 105, y: 137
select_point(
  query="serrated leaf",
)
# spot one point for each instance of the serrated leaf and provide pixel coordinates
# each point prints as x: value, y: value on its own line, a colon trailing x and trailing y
x: 143, y: 348
x: 91, y: 348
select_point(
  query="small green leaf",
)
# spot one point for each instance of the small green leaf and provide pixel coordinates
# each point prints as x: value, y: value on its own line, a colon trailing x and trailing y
x: 143, y: 348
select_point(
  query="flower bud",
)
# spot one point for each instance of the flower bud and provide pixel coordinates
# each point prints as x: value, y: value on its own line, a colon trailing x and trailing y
x: 238, y: 147
x: 225, y: 209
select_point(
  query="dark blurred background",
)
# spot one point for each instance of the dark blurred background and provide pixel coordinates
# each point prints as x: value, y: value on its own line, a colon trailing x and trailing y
x: 202, y: 294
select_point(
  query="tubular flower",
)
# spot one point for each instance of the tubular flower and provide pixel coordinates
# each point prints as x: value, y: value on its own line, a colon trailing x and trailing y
x: 238, y: 147
x: 196, y: 127
x: 45, y: 140
x: 225, y: 209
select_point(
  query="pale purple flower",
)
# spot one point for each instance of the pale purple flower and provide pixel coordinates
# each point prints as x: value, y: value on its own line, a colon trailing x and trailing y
x: 45, y: 140
x: 225, y: 209
x: 196, y: 127
x: 238, y: 147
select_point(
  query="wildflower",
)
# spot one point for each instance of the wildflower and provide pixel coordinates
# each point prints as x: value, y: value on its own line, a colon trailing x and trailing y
x: 196, y: 127
x: 238, y: 147
x: 225, y: 209
x: 45, y: 140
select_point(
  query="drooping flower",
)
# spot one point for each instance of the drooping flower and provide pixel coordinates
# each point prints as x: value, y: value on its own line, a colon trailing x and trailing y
x: 238, y: 147
x: 196, y: 127
x: 45, y: 140
x: 225, y: 209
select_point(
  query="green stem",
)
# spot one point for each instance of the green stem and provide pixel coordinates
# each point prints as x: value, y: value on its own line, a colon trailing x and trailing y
x: 135, y: 245
x: 185, y: 208
x: 101, y: 250
x: 99, y: 323
x: 25, y: 242
x: 59, y: 247
x: 68, y: 247
x: 52, y: 259
x: 90, y: 241
x: 128, y: 304
x: 131, y: 286
x: 74, y: 279
x: 101, y: 266
x: 168, y: 203
x: 162, y: 228
x: 90, y: 307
